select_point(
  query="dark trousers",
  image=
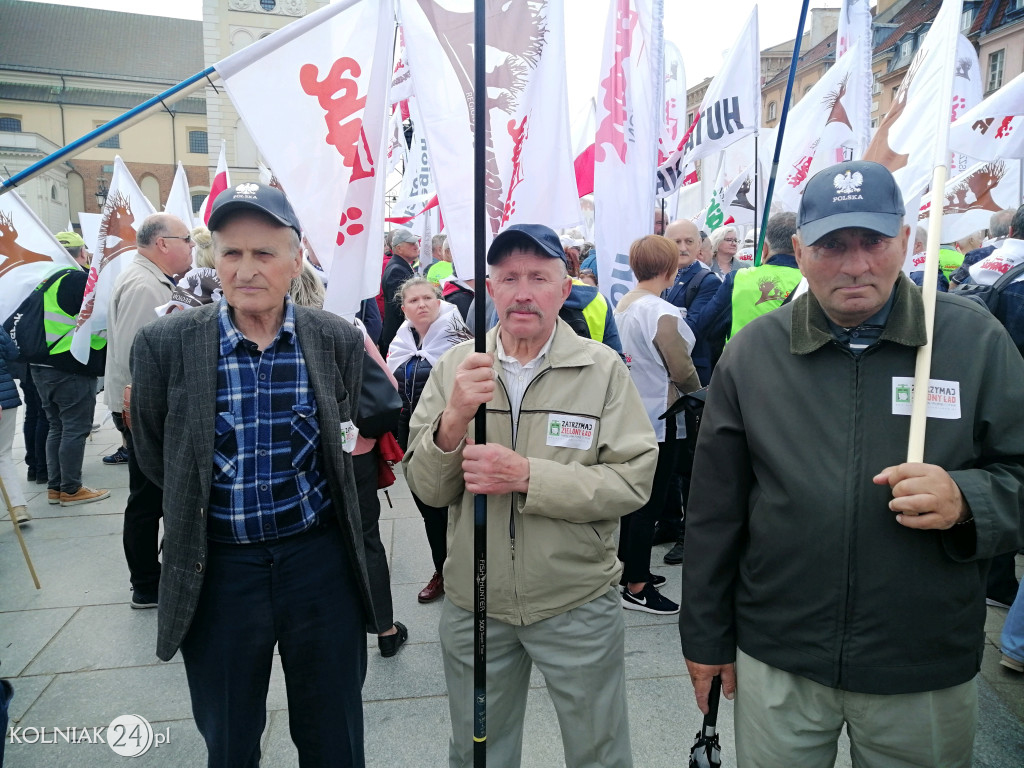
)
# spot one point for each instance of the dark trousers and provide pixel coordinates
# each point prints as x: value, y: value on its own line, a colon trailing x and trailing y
x: 365, y: 468
x: 142, y: 513
x: 435, y: 521
x: 36, y: 426
x: 636, y: 533
x: 69, y: 401
x: 300, y: 594
x: 1002, y: 578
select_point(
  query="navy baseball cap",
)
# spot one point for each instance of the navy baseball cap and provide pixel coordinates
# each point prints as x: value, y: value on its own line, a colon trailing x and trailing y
x: 250, y: 196
x: 855, y: 194
x: 535, y: 236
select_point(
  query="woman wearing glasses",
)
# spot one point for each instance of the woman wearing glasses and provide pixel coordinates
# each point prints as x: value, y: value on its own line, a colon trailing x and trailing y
x: 725, y: 242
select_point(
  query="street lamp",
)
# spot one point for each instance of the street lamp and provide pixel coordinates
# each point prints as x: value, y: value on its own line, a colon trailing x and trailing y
x: 101, y: 192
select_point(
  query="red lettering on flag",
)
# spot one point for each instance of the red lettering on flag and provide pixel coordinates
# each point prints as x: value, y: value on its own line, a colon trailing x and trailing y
x: 612, y: 129
x: 518, y: 135
x: 339, y: 97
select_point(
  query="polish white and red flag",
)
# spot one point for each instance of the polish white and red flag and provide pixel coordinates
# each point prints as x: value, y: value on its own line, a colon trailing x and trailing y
x: 123, y: 213
x: 28, y: 252
x: 221, y: 181
x: 529, y: 161
x: 729, y: 111
x: 179, y: 201
x: 629, y: 111
x: 314, y: 97
x: 821, y: 131
x: 994, y: 128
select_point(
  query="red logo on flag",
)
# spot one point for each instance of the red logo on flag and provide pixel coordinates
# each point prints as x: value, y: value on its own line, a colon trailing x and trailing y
x: 612, y: 129
x: 338, y: 95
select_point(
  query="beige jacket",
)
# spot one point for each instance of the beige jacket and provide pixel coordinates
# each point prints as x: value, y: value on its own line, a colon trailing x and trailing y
x: 592, y: 455
x: 138, y: 291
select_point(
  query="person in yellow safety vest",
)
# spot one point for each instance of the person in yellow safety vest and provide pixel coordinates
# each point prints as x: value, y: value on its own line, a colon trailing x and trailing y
x: 441, y: 268
x: 748, y: 293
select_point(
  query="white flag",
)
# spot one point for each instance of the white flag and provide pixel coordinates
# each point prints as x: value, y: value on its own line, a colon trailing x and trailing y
x: 122, y: 214
x: 821, y: 130
x: 909, y: 141
x: 974, y: 195
x: 28, y: 252
x: 90, y: 224
x: 729, y: 111
x: 179, y: 201
x: 967, y: 91
x: 417, y: 183
x: 529, y: 160
x: 994, y: 128
x: 629, y: 110
x: 673, y: 121
x: 304, y: 93
x: 855, y: 30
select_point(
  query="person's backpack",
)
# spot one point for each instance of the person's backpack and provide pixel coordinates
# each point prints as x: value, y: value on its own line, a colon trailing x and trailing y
x: 25, y: 325
x: 692, y: 286
x: 1007, y: 308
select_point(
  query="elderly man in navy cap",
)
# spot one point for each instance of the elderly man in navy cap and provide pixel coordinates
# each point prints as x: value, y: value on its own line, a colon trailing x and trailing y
x: 827, y: 581
x: 568, y: 452
x: 242, y: 412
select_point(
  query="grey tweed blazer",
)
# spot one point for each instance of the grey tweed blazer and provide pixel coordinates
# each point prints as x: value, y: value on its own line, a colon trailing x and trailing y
x: 174, y: 403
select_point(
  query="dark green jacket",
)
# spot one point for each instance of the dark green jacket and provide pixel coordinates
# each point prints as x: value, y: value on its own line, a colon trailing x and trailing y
x: 792, y: 553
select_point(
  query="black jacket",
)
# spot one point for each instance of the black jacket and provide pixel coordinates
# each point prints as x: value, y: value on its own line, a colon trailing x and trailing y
x: 396, y: 272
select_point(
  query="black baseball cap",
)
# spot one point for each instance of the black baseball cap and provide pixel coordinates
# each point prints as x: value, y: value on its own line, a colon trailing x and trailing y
x: 537, y: 235
x: 855, y: 194
x: 250, y: 196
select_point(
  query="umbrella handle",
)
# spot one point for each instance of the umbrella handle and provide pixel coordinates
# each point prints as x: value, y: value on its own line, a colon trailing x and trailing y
x: 714, y: 696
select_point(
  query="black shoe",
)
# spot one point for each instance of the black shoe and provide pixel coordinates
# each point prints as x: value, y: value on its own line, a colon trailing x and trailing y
x: 653, y: 579
x: 41, y: 478
x: 120, y: 456
x: 31, y: 477
x: 389, y: 644
x: 667, y: 531
x: 649, y: 600
x: 140, y: 600
x: 675, y: 555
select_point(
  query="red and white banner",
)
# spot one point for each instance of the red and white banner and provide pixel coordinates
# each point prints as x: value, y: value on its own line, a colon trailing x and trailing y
x: 729, y: 111
x: 28, y: 252
x: 221, y: 181
x: 821, y: 131
x: 122, y: 214
x: 629, y: 110
x: 909, y: 141
x: 179, y: 201
x: 974, y: 195
x: 994, y: 128
x: 673, y: 121
x: 967, y: 92
x: 529, y: 160
x: 854, y: 28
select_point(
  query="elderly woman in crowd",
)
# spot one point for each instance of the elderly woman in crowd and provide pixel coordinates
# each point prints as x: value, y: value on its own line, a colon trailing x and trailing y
x: 725, y: 242
x: 431, y: 328
x: 657, y: 342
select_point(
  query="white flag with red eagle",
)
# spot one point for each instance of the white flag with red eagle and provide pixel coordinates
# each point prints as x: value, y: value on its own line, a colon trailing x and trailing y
x: 314, y: 97
x: 122, y: 214
x: 221, y: 181
x: 729, y: 111
x: 909, y: 141
x: 821, y: 131
x: 529, y: 159
x: 629, y: 116
x: 993, y: 129
x: 28, y: 252
x: 974, y: 195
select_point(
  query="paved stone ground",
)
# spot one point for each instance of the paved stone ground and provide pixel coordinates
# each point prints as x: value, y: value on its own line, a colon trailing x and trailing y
x: 78, y: 656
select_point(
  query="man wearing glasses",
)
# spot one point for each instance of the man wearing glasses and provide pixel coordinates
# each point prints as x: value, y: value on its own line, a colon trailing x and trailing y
x: 164, y: 250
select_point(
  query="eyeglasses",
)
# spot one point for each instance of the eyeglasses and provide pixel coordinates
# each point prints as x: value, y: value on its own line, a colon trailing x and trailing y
x: 729, y: 240
x: 186, y: 238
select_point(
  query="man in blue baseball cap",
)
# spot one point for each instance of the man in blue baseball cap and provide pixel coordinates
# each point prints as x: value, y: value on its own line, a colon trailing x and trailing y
x: 569, y: 452
x: 827, y: 581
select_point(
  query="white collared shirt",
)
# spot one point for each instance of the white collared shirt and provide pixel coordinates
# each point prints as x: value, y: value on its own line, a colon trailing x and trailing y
x: 518, y: 376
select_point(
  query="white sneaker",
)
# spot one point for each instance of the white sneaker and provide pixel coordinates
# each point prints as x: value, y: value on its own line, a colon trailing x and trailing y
x: 21, y: 515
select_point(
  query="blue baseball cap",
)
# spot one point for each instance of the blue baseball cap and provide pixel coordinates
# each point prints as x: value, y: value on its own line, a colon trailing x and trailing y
x: 854, y: 194
x: 250, y: 196
x: 534, y: 236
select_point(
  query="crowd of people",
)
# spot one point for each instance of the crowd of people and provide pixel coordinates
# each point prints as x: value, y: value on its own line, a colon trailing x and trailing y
x: 246, y: 412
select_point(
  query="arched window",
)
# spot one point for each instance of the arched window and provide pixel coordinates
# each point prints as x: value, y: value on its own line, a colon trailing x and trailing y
x: 773, y: 109
x: 76, y: 195
x: 151, y: 189
x: 12, y: 124
x: 53, y: 191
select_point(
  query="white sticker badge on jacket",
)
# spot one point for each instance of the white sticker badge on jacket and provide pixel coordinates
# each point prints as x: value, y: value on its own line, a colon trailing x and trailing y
x: 943, y: 397
x: 349, y: 433
x: 565, y: 431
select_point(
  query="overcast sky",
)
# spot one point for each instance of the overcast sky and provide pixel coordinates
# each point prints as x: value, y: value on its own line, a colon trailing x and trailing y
x: 703, y: 31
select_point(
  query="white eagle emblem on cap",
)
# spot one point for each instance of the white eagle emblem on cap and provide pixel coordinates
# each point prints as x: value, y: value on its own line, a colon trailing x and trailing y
x: 848, y: 183
x: 251, y: 189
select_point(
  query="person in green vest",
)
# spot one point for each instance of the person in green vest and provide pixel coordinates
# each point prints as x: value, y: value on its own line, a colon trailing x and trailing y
x: 749, y: 293
x: 441, y: 269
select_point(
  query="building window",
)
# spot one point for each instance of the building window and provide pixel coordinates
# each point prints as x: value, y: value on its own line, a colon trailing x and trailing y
x: 197, y: 143
x: 111, y: 142
x: 995, y: 70
x: 895, y: 90
x: 12, y: 124
x: 197, y: 201
x: 905, y: 47
x: 773, y: 109
x: 53, y: 191
x: 1017, y: 5
x: 268, y: 5
x: 966, y: 19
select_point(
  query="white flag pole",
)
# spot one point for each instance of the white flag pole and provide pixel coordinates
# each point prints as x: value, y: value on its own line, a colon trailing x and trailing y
x: 923, y: 366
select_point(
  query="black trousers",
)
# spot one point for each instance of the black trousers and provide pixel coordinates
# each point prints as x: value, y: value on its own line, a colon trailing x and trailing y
x: 365, y: 467
x: 636, y: 532
x: 300, y: 594
x: 142, y: 513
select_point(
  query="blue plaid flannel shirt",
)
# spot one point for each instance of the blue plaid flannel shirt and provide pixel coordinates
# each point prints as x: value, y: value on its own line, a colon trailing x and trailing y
x: 267, y: 477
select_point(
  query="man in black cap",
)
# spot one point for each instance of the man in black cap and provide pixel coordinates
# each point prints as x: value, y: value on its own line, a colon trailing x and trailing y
x: 826, y: 580
x: 569, y: 452
x: 243, y: 414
